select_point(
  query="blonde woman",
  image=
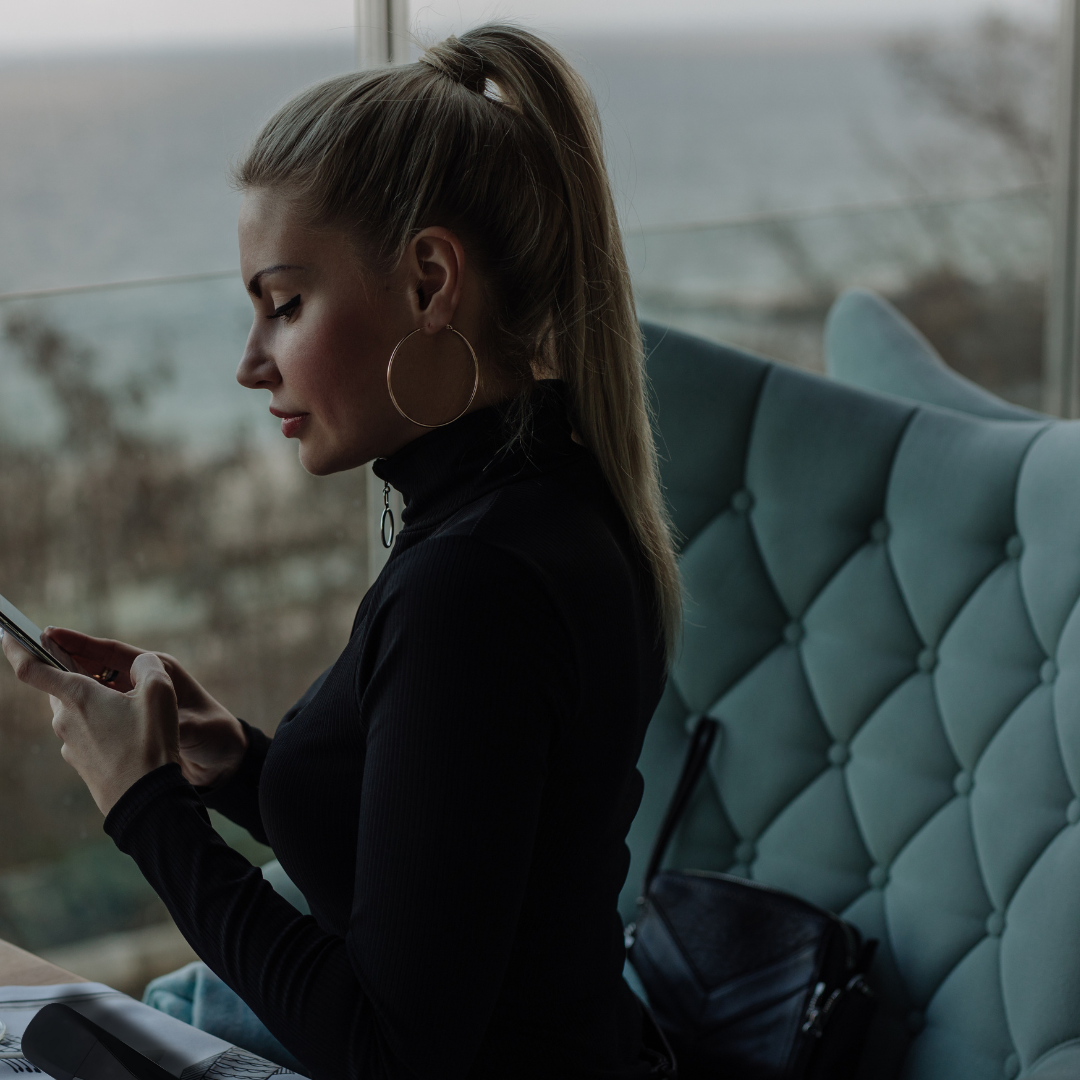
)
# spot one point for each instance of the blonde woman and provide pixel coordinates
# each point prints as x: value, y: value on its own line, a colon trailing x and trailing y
x: 439, y: 286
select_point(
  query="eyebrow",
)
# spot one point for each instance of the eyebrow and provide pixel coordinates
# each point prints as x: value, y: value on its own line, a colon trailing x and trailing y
x: 253, y: 285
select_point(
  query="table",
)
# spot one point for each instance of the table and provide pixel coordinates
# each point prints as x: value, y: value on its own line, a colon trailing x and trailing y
x: 21, y: 968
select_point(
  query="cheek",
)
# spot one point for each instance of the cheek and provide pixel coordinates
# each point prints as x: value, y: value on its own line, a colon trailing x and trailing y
x: 328, y: 368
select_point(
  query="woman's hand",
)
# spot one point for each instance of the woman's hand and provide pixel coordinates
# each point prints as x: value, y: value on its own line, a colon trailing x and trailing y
x: 111, y: 738
x: 211, y: 740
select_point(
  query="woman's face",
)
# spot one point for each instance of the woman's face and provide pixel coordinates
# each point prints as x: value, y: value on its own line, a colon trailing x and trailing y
x: 324, y: 331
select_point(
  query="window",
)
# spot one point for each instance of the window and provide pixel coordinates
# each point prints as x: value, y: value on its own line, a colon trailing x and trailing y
x: 766, y: 154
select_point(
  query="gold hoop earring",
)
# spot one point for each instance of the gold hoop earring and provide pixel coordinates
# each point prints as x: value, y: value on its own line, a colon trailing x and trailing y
x: 472, y: 395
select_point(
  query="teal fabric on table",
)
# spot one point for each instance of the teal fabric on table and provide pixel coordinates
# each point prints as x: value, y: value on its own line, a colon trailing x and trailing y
x: 882, y: 613
x: 197, y: 996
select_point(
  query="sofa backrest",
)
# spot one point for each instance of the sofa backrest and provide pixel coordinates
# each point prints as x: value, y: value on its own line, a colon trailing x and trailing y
x: 882, y: 614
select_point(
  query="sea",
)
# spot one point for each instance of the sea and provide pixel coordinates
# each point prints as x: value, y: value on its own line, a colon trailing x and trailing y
x: 115, y: 167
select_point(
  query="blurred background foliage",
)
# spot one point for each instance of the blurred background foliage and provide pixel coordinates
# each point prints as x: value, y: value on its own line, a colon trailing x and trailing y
x: 234, y: 559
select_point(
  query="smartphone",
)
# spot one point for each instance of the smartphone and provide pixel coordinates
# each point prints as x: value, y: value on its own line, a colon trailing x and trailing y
x: 28, y: 636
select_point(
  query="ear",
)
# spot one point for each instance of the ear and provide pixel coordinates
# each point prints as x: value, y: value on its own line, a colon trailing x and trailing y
x: 436, y: 262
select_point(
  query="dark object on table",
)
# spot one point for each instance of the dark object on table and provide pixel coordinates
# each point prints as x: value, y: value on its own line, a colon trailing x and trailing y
x: 747, y: 981
x: 66, y: 1045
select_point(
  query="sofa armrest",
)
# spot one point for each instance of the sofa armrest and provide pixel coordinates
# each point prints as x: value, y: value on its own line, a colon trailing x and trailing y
x: 869, y: 344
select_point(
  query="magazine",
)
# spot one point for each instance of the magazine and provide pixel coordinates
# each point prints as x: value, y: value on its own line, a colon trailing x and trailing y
x: 184, y: 1051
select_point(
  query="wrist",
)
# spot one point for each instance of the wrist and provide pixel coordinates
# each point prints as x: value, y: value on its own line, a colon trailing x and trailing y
x: 227, y: 759
x: 130, y: 811
x: 108, y: 794
x: 232, y: 764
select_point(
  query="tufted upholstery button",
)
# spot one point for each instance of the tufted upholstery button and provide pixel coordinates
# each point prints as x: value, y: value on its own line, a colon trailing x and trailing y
x: 1011, y: 1069
x: 742, y: 501
x: 963, y: 783
x: 878, y: 877
x: 927, y: 660
x: 746, y: 852
x: 915, y: 1021
x: 1048, y: 672
x: 1014, y: 547
x: 1072, y: 814
x: 839, y: 754
x: 995, y: 924
x: 879, y: 531
x: 793, y: 633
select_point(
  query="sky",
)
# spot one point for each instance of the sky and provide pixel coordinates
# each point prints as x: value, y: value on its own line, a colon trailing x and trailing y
x: 62, y: 25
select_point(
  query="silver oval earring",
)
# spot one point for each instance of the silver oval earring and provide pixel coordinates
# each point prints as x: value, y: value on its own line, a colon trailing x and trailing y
x: 387, y: 518
x: 472, y: 394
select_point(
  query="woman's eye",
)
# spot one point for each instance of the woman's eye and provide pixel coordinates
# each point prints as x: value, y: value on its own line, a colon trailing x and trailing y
x: 287, y: 309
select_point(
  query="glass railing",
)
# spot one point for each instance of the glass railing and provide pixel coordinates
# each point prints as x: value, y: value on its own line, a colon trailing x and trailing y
x: 970, y: 273
x: 146, y: 496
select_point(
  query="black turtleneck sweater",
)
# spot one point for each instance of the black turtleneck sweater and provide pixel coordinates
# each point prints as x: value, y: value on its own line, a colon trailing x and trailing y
x: 452, y: 796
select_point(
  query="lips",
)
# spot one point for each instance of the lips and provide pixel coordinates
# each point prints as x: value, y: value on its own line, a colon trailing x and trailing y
x: 290, y: 422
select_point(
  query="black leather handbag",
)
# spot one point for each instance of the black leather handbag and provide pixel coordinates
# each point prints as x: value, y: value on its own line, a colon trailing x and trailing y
x: 747, y: 982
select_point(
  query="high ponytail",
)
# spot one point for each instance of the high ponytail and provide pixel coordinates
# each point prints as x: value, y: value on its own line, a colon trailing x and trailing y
x: 494, y: 135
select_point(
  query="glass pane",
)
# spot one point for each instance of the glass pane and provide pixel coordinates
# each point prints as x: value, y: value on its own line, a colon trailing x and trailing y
x: 762, y: 171
x: 145, y: 496
x: 970, y: 273
x: 766, y: 155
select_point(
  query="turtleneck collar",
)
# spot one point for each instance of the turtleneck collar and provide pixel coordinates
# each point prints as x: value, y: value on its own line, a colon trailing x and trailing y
x: 446, y: 468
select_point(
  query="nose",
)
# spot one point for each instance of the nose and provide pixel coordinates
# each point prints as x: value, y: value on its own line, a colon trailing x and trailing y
x: 257, y: 370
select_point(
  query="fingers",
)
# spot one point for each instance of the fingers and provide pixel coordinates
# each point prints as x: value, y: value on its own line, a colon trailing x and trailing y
x: 96, y: 653
x: 189, y: 694
x: 110, y: 738
x: 100, y: 655
x: 41, y: 676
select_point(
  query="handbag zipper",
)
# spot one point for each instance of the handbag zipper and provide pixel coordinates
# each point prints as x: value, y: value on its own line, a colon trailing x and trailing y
x: 817, y: 1015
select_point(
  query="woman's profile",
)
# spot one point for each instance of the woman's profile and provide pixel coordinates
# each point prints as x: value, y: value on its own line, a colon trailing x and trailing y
x: 439, y: 287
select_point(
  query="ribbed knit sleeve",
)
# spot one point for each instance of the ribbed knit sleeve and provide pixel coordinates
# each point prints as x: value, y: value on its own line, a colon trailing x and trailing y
x: 459, y: 695
x: 238, y: 797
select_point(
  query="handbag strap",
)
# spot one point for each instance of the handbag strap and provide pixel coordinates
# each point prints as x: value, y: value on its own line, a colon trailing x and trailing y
x: 697, y: 757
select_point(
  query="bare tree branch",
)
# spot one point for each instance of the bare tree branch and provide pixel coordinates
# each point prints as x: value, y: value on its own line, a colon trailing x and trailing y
x: 997, y: 77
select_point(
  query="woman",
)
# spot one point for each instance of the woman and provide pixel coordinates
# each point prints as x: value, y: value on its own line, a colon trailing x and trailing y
x: 439, y: 285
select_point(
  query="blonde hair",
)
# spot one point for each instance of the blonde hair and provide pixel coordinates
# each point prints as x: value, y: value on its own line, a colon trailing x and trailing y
x: 494, y: 135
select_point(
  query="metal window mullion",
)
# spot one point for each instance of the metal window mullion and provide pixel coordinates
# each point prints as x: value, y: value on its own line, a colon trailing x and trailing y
x: 1062, y: 367
x: 381, y: 38
x: 382, y: 33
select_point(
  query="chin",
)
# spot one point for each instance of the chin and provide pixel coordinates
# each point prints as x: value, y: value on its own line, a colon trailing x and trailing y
x: 318, y: 462
x: 316, y: 465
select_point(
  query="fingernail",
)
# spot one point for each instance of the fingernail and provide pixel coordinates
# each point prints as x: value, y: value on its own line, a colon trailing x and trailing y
x: 1, y: 633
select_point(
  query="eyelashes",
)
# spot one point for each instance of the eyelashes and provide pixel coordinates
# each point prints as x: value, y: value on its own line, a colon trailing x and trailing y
x: 287, y: 309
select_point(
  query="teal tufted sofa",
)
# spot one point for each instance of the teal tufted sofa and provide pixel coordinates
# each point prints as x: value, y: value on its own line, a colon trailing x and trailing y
x: 883, y: 615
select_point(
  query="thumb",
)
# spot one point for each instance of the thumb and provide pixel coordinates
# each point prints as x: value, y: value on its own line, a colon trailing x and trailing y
x: 150, y: 679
